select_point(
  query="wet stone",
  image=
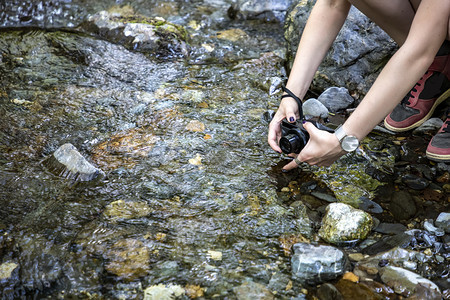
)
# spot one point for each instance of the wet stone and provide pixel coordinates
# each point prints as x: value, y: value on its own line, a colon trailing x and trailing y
x: 388, y: 243
x: 405, y: 282
x: 430, y: 125
x: 137, y: 32
x: 327, y: 291
x: 323, y: 196
x: 428, y: 226
x: 268, y: 10
x: 128, y: 259
x: 6, y: 270
x: 336, y: 98
x: 356, y: 256
x: 370, y: 206
x: 162, y: 291
x: 402, y: 205
x: 344, y: 224
x: 253, y: 291
x: 415, y: 182
x: 352, y: 290
x: 314, y: 108
x: 126, y: 210
x: 313, y: 264
x: 390, y: 228
x: 68, y: 163
x: 443, y: 221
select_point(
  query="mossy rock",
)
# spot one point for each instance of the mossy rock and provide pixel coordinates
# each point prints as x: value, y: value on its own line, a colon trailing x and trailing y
x: 344, y: 224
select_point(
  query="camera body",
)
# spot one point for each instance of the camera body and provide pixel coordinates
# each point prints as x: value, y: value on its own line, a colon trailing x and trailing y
x: 294, y: 137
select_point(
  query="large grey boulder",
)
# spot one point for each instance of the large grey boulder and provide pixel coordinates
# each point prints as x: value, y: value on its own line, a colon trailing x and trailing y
x: 355, y: 59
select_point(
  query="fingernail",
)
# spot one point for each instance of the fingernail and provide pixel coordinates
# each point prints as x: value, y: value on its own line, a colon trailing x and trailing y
x: 284, y: 170
x: 291, y: 119
x: 279, y: 152
x: 303, y: 121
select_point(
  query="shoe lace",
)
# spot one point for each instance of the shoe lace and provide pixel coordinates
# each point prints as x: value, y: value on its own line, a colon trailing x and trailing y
x: 405, y: 101
x: 447, y: 124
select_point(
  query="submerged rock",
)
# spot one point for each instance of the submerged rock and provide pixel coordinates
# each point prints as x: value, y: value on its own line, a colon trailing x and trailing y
x: 163, y: 292
x: 126, y: 210
x: 406, y: 282
x: 155, y: 35
x: 68, y: 163
x: 252, y: 291
x: 128, y: 259
x: 387, y: 243
x: 402, y: 205
x: 6, y: 270
x: 269, y: 10
x: 313, y: 264
x: 343, y: 224
x: 390, y: 228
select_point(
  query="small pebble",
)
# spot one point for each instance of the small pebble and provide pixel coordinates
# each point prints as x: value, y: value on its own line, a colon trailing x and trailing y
x: 356, y: 256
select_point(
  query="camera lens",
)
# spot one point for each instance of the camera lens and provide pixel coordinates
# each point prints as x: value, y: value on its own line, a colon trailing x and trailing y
x: 291, y: 143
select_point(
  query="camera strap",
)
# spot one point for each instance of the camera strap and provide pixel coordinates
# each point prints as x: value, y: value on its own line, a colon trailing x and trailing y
x: 297, y: 99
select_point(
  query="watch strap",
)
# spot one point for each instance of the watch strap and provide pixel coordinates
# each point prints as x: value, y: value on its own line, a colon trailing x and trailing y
x: 340, y: 133
x: 297, y: 99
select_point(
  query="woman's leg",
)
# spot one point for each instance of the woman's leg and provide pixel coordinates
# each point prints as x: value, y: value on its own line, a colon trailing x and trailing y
x: 393, y: 16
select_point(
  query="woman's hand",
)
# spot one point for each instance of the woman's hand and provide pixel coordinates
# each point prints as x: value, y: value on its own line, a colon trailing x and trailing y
x: 322, y: 149
x: 288, y: 110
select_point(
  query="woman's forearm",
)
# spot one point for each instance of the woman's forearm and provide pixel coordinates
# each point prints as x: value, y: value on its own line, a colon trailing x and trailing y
x: 324, y: 23
x: 393, y: 83
x: 404, y: 69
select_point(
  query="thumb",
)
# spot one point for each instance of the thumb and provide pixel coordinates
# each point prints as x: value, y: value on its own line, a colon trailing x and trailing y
x: 310, y: 127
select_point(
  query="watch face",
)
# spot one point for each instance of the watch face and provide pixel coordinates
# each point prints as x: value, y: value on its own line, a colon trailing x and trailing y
x: 350, y: 143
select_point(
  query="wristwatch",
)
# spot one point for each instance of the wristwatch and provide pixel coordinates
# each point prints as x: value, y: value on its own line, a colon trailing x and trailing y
x: 348, y: 142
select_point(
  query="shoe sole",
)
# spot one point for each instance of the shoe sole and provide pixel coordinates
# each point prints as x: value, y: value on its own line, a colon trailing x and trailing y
x: 437, y: 157
x: 439, y: 100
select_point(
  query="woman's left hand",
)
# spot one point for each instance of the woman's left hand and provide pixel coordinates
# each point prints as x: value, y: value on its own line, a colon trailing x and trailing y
x: 322, y: 149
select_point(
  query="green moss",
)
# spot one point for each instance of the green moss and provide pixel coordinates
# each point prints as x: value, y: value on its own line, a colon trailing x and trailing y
x: 348, y: 181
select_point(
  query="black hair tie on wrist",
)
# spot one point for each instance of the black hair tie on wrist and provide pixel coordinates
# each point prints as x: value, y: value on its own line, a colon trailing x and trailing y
x: 297, y: 99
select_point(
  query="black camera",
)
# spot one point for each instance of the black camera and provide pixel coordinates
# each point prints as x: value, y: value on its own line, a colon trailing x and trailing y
x: 294, y: 137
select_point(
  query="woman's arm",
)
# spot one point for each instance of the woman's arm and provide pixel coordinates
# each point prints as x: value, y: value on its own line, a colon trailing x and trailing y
x: 428, y: 31
x: 323, y: 25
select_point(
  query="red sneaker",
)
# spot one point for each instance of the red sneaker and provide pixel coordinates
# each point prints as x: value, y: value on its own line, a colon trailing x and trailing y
x: 439, y: 147
x: 418, y: 106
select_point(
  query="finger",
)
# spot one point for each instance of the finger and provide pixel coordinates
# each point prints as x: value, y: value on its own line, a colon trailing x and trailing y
x: 290, y: 115
x: 310, y: 127
x: 273, y: 137
x: 290, y: 166
x: 291, y: 111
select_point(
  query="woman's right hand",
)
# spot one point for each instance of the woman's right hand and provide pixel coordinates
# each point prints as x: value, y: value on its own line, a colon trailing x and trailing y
x: 288, y: 110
